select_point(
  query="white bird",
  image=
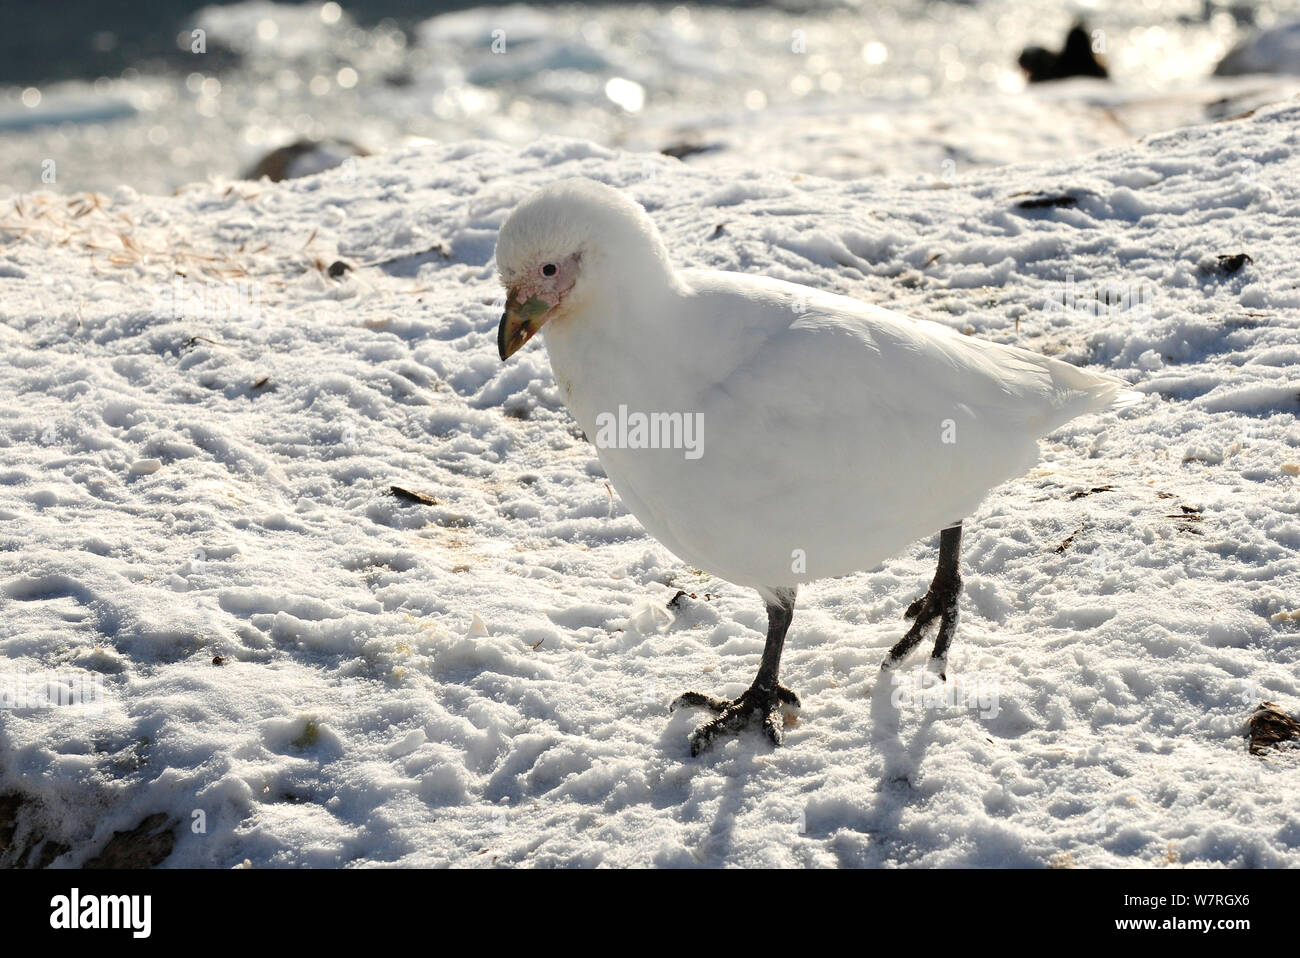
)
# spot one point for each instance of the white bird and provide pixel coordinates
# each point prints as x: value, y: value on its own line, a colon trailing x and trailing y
x: 799, y: 434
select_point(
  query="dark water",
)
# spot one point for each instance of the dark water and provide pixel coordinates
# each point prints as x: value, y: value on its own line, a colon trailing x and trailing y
x: 46, y: 40
x: 83, y: 39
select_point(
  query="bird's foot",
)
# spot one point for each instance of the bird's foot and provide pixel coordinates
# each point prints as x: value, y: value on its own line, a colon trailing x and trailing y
x: 937, y: 603
x: 767, y: 706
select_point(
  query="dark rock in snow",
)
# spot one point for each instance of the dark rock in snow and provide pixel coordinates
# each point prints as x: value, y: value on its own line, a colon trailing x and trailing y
x: 145, y: 846
x: 1269, y: 726
x: 1231, y: 263
x: 304, y: 158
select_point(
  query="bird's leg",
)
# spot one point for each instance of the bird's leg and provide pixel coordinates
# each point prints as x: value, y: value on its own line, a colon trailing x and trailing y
x: 763, y: 700
x: 940, y: 602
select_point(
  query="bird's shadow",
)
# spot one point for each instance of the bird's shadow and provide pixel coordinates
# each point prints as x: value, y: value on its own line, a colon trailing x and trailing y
x: 879, y: 809
x: 736, y: 759
x: 900, y: 761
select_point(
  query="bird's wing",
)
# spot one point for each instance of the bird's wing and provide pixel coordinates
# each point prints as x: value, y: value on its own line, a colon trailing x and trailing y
x: 844, y: 429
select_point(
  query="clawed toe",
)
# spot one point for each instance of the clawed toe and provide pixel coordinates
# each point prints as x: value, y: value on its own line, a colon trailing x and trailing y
x: 787, y: 697
x: 939, y: 666
x: 698, y: 700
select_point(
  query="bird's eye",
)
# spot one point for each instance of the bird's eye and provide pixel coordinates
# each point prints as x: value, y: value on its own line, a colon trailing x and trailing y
x: 549, y: 269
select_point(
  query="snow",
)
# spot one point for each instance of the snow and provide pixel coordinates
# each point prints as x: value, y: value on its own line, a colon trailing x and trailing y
x: 202, y: 469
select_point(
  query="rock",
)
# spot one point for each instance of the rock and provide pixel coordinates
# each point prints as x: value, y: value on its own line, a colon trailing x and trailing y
x: 19, y: 847
x: 1076, y: 59
x: 1276, y: 50
x: 1269, y: 726
x: 685, y: 148
x: 304, y: 158
x: 145, y: 846
x: 1231, y: 263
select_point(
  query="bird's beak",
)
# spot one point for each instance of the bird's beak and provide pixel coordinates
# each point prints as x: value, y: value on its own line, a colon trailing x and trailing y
x: 520, y: 322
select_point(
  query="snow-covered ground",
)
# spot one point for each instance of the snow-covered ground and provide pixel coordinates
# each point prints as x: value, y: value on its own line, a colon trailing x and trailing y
x: 200, y: 428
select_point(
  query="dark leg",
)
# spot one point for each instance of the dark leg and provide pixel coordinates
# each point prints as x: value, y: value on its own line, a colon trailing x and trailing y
x: 940, y: 602
x: 763, y: 700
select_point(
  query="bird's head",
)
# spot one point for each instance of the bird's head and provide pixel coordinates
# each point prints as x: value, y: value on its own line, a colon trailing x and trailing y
x: 564, y: 248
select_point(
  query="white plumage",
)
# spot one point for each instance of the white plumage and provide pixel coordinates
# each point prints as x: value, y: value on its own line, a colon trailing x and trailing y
x: 834, y: 432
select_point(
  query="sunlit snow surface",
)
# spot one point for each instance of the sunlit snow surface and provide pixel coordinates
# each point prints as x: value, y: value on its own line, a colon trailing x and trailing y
x: 200, y: 430
x: 915, y: 87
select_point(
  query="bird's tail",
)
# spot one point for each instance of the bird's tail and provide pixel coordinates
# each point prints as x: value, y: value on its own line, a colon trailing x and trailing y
x: 1125, y: 398
x: 1081, y: 391
x: 1098, y: 390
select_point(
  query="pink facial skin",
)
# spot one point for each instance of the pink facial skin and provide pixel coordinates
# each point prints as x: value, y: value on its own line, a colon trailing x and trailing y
x: 549, y: 289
